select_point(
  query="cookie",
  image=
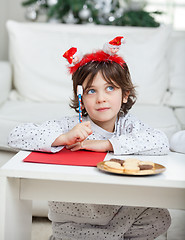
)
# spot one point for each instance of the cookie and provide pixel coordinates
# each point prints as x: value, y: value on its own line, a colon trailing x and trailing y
x: 114, y: 165
x: 117, y: 160
x: 146, y: 163
x: 130, y: 165
x: 132, y: 160
x: 131, y: 168
x: 145, y: 167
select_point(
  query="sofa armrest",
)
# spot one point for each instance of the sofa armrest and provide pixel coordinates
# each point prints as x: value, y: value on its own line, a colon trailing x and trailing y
x: 5, y: 80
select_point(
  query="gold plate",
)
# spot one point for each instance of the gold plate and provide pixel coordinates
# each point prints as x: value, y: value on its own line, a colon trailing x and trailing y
x: 158, y: 168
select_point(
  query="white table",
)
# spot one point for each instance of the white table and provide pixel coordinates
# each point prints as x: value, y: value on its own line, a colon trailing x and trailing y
x: 21, y: 183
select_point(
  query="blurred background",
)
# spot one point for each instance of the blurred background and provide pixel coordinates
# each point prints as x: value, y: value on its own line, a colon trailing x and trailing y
x: 143, y: 13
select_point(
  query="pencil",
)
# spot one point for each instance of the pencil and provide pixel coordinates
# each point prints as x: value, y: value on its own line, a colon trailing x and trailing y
x: 79, y: 94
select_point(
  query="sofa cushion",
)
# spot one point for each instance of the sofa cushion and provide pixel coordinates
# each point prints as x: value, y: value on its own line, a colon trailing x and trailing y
x: 5, y: 80
x: 5, y: 156
x: 12, y: 113
x: 180, y: 114
x: 175, y: 98
x: 40, y: 71
x: 160, y: 117
x: 176, y: 59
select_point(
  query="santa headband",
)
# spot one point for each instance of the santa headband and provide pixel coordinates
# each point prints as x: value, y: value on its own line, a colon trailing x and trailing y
x: 108, y: 54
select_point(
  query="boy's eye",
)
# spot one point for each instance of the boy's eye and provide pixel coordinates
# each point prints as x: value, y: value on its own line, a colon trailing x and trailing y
x: 110, y: 88
x: 91, y: 91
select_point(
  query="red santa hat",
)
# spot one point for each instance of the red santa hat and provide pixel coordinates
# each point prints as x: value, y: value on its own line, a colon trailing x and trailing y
x: 116, y: 41
x: 69, y: 54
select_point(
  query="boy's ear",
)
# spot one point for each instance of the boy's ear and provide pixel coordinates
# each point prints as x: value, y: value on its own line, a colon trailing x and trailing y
x: 126, y: 95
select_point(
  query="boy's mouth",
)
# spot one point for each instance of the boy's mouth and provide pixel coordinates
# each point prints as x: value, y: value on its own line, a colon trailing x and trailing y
x: 103, y: 109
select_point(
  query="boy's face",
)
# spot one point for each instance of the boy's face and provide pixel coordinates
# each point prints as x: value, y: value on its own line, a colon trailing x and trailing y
x: 102, y: 102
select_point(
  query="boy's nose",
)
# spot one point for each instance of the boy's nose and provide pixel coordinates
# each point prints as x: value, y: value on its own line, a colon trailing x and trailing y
x: 101, y: 98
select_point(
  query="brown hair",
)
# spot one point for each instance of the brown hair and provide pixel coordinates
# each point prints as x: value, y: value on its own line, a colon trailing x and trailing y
x: 113, y: 73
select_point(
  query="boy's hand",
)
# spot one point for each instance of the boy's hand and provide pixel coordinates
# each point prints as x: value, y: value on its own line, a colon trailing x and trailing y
x: 77, y: 134
x: 92, y: 145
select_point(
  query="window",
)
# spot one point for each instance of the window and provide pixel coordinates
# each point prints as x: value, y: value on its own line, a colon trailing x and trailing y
x: 173, y: 12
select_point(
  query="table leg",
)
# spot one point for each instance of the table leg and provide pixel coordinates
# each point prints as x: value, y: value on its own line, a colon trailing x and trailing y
x: 15, y: 214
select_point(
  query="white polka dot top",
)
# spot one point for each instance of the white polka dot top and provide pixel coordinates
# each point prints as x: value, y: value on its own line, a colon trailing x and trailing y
x: 130, y: 136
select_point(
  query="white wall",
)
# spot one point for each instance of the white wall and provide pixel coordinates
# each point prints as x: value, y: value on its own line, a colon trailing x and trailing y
x: 174, y: 12
x: 9, y: 9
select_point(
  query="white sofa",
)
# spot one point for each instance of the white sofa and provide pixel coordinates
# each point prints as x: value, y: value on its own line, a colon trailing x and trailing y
x: 35, y: 85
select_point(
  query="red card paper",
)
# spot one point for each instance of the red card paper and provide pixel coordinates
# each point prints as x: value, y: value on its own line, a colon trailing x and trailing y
x: 67, y: 157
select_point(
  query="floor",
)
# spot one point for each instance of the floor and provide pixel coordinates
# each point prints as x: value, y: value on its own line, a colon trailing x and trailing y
x: 41, y: 227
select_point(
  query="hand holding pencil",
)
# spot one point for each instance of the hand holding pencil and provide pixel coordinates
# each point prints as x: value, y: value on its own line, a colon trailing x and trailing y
x: 78, y: 133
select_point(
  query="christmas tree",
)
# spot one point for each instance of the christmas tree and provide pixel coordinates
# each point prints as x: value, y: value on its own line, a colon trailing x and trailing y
x: 105, y: 12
